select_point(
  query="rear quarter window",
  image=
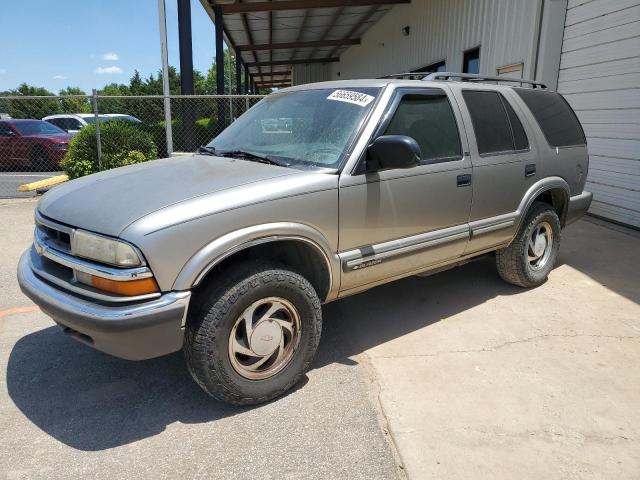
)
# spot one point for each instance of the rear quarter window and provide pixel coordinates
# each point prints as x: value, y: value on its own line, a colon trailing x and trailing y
x: 556, y: 118
x: 496, y: 125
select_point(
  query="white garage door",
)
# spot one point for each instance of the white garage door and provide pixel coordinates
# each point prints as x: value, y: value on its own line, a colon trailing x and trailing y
x: 600, y: 77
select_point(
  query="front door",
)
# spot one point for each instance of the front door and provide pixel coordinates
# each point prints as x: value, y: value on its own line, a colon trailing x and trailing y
x: 399, y: 221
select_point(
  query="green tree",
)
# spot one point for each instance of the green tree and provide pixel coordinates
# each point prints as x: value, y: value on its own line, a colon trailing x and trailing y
x: 32, y: 108
x: 76, y: 104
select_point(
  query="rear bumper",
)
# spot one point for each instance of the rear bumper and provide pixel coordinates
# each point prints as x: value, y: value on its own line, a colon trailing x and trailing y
x: 135, y: 331
x: 578, y: 206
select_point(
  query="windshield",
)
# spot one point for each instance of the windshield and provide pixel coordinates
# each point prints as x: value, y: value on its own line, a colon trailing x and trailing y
x: 37, y: 127
x: 307, y: 127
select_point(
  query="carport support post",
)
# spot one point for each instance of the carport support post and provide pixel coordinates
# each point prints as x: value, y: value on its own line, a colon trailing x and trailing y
x: 94, y: 104
x: 217, y: 10
x: 238, y: 74
x: 246, y: 80
x: 186, y: 73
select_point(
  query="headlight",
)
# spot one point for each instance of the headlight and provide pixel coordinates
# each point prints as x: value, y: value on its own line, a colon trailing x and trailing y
x: 103, y: 249
x: 60, y: 146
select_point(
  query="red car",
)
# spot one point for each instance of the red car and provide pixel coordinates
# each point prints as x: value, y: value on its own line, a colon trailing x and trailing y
x: 35, y: 144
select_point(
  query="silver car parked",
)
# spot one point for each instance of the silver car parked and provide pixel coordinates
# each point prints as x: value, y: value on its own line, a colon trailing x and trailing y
x: 318, y: 192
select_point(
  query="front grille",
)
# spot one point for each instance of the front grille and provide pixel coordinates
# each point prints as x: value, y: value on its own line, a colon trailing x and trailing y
x: 55, y: 238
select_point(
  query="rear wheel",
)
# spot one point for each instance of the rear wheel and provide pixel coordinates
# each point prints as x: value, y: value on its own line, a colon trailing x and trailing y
x: 252, y: 336
x: 532, y: 254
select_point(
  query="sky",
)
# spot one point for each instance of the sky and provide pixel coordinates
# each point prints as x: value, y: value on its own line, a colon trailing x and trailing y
x: 90, y: 43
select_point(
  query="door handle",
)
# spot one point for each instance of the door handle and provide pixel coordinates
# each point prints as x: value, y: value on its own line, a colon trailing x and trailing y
x: 530, y: 170
x: 463, y: 180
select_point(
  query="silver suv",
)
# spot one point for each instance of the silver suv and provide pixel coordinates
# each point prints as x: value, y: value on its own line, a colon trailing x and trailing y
x: 317, y: 192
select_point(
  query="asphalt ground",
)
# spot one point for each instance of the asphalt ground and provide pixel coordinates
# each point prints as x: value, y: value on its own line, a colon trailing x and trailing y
x: 10, y: 181
x: 67, y: 411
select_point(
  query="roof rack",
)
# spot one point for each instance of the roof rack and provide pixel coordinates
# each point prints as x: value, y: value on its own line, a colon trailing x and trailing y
x: 472, y: 77
x: 409, y: 75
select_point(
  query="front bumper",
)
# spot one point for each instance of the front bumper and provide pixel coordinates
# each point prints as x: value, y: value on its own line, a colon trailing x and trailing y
x: 135, y: 331
x: 578, y: 206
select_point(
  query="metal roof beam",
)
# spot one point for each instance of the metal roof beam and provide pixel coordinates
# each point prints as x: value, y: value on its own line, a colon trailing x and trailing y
x: 300, y: 4
x: 294, y: 62
x: 314, y: 44
x: 276, y: 73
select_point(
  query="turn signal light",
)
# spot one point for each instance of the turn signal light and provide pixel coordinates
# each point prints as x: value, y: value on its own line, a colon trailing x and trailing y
x: 129, y: 288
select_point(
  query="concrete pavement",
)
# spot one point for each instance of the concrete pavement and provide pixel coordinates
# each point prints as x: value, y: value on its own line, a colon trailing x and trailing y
x: 479, y: 379
x: 474, y: 378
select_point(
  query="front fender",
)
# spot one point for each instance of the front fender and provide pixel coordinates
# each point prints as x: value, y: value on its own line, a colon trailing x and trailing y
x: 216, y: 251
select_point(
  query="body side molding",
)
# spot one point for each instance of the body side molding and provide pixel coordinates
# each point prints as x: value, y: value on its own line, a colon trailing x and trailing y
x: 374, y: 254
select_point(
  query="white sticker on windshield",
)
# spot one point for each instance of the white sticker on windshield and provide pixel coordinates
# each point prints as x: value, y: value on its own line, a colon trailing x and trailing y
x: 348, y: 96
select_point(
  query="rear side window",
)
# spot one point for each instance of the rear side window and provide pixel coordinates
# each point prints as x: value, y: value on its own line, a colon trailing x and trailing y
x: 430, y: 121
x: 520, y: 140
x: 557, y: 120
x: 496, y: 125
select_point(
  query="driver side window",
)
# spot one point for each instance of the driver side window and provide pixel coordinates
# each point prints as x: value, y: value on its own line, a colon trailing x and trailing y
x: 5, y: 131
x: 430, y: 121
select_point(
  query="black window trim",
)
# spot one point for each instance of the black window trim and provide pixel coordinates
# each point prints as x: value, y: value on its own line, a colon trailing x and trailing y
x: 392, y: 106
x: 513, y: 138
x: 575, y: 116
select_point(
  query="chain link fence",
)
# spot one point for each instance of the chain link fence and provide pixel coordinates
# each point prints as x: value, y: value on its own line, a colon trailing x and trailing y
x: 35, y: 132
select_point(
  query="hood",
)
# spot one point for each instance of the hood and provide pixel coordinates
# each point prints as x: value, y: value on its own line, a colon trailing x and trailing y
x: 107, y: 202
x: 54, y: 137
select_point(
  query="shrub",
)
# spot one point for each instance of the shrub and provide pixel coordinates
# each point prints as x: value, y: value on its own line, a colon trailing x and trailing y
x: 122, y: 144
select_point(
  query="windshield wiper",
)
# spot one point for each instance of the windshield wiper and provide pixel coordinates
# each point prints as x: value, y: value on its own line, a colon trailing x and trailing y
x: 251, y: 156
x: 207, y: 150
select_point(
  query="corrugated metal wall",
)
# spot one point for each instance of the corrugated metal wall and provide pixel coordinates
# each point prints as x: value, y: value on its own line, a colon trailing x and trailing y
x: 600, y: 77
x: 313, y: 72
x: 506, y: 30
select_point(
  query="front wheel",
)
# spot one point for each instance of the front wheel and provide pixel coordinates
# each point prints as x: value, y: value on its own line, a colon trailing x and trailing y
x: 532, y: 254
x: 251, y: 337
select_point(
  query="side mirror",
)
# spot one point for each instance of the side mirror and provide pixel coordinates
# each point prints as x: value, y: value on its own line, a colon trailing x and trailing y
x: 393, y: 151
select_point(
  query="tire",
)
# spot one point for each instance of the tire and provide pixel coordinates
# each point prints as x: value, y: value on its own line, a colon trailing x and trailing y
x: 217, y: 333
x: 39, y: 160
x: 517, y: 263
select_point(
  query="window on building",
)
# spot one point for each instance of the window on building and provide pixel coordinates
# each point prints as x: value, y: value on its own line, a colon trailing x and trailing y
x: 430, y: 121
x: 434, y: 67
x: 556, y: 118
x: 471, y: 61
x: 496, y: 125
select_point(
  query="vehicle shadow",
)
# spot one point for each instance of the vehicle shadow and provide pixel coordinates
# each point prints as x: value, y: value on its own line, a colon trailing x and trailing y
x: 92, y: 401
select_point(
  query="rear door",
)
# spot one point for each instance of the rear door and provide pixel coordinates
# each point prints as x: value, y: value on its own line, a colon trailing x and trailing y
x: 504, y: 164
x: 394, y: 222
